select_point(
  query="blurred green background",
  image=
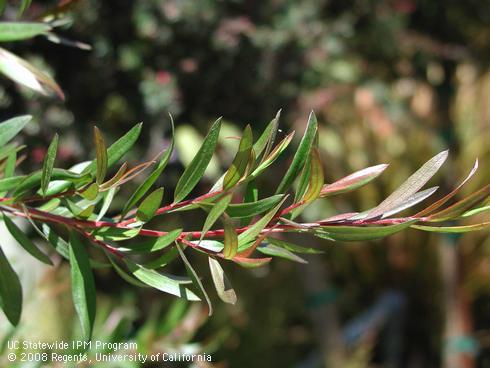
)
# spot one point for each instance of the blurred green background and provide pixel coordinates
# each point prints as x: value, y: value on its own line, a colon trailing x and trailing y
x: 390, y: 81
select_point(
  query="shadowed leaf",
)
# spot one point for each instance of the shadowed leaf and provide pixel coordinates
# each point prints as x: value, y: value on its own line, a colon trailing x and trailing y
x: 221, y: 283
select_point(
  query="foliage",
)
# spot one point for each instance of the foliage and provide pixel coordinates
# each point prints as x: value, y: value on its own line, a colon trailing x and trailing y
x: 73, y: 204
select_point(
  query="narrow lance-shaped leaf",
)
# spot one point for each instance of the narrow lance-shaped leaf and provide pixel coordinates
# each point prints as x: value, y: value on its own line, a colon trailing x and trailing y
x: 411, y: 201
x: 167, y: 283
x: 194, y: 172
x: 20, y: 71
x: 82, y: 286
x: 49, y: 164
x: 275, y: 251
x: 460, y: 207
x: 266, y: 140
x: 91, y: 192
x: 353, y: 181
x: 10, y: 128
x: 25, y: 242
x: 154, y: 244
x: 239, y: 164
x: 300, y: 155
x: 116, y: 179
x: 148, y: 208
x: 221, y: 283
x: 253, y: 208
x: 410, y: 186
x: 269, y: 159
x: 255, y: 229
x: 101, y: 156
x: 109, y: 196
x: 292, y: 247
x: 10, y: 291
x: 117, y: 150
x: 15, y: 31
x: 195, y: 278
x: 453, y: 229
x: 434, y: 206
x: 152, y: 178
x: 230, y: 244
x: 215, y: 213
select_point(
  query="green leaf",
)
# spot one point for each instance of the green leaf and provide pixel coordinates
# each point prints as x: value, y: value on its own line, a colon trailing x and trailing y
x: 230, y: 247
x: 10, y: 291
x: 15, y: 31
x: 292, y: 247
x: 240, y: 162
x: 48, y: 164
x: 215, y: 213
x: 250, y: 197
x: 221, y: 283
x: 251, y: 233
x: 163, y: 260
x: 82, y: 286
x: 315, y: 177
x: 91, y: 192
x: 275, y: 251
x: 117, y: 150
x: 20, y: 71
x: 248, y: 209
x: 101, y: 156
x: 155, y: 244
x: 166, y: 283
x: 195, y: 278
x: 148, y: 208
x: 124, y: 275
x: 453, y: 229
x: 353, y: 181
x: 251, y: 262
x: 476, y: 211
x: 194, y: 172
x: 359, y: 233
x: 25, y: 242
x: 109, y: 196
x: 152, y: 178
x: 115, y: 233
x: 301, y: 154
x: 10, y: 128
x: 434, y: 206
x: 266, y: 140
x: 116, y: 179
x: 460, y: 207
x: 24, y: 183
x: 410, y: 186
x: 269, y: 160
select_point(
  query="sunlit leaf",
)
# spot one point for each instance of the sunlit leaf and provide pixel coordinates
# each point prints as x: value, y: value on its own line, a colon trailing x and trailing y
x: 461, y: 206
x: 155, y: 244
x: 300, y: 155
x: 194, y: 172
x: 91, y: 192
x: 230, y: 243
x: 410, y: 186
x: 167, y: 283
x: 82, y: 286
x: 251, y: 233
x: 10, y: 291
x: 101, y: 156
x: 221, y: 283
x: 275, y: 153
x: 48, y: 164
x: 10, y: 128
x: 15, y: 31
x: 215, y: 213
x: 115, y: 233
x: 266, y: 140
x: 240, y: 162
x: 251, y: 262
x: 353, y: 181
x: 359, y: 233
x: 275, y: 251
x: 148, y: 208
x: 453, y: 229
x: 109, y: 196
x: 20, y: 71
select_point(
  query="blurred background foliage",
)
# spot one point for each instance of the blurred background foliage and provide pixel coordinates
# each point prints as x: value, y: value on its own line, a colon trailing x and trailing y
x: 391, y: 81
